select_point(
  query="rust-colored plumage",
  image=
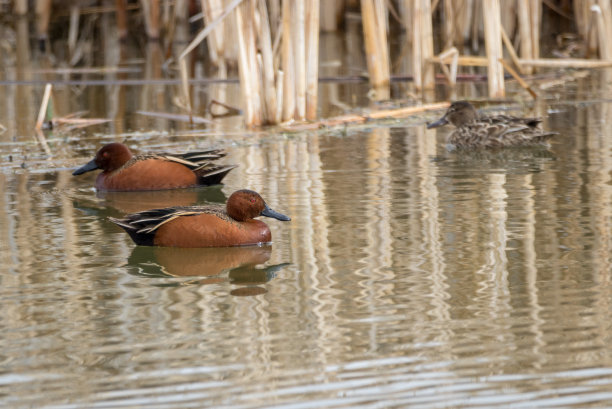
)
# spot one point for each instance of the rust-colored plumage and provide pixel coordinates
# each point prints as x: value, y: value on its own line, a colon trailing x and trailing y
x: 499, y: 131
x: 203, y: 226
x: 121, y: 171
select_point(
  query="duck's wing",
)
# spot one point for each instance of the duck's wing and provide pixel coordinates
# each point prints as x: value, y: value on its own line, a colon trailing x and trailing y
x: 142, y: 226
x: 532, y: 122
x: 201, y: 163
x: 193, y: 160
x: 513, y: 134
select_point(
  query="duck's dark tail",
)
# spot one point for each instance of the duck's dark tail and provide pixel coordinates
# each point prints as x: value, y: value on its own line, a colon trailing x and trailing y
x: 142, y: 239
x: 212, y: 175
x: 543, y: 137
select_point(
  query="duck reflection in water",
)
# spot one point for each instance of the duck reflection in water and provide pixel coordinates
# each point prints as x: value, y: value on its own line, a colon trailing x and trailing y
x: 215, y: 265
x: 132, y: 202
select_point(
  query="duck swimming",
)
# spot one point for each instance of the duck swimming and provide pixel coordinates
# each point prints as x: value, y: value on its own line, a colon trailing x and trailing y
x: 203, y: 226
x: 498, y: 131
x: 122, y: 171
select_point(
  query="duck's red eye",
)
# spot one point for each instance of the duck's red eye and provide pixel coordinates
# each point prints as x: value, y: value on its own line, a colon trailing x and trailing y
x: 252, y: 200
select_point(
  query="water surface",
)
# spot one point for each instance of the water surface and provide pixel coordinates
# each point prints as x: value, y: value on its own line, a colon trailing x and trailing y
x: 408, y: 276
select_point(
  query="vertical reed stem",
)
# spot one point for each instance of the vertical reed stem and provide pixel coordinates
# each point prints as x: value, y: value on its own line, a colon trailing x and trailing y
x: 526, y: 51
x: 493, y: 45
x: 604, y: 30
x: 248, y: 66
x: 267, y: 57
x: 151, y: 13
x: 299, y: 47
x: 312, y: 58
x: 20, y: 7
x: 121, y: 15
x: 287, y: 63
x: 422, y: 47
x: 374, y: 28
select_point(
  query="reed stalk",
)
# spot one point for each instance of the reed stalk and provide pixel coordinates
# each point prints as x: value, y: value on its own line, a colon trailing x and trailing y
x: 20, y: 7
x: 43, y: 14
x: 422, y: 47
x: 377, y: 56
x: 299, y: 49
x: 312, y: 58
x: 247, y: 62
x: 518, y: 78
x: 150, y: 9
x: 267, y: 66
x: 536, y: 18
x: 121, y: 15
x: 449, y: 24
x: 329, y: 15
x: 525, y: 50
x: 493, y: 45
x: 211, y: 9
x: 513, y: 56
x: 73, y: 29
x: 603, y: 21
x: 287, y: 64
x: 566, y: 63
x: 450, y: 74
x: 42, y: 112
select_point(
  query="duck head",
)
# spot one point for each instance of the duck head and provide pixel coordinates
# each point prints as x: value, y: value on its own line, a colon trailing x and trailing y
x: 459, y: 113
x: 245, y: 204
x: 109, y: 158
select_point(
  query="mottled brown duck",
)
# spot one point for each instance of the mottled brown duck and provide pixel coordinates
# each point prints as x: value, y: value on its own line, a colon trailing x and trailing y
x: 473, y: 131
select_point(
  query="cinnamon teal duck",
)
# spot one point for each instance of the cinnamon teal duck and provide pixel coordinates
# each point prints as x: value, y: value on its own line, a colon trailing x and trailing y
x: 122, y: 171
x: 203, y: 226
x: 498, y: 131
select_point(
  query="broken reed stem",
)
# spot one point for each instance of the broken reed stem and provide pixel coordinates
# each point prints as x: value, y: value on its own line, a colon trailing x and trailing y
x: 510, y: 48
x: 451, y: 75
x: 193, y: 44
x: 517, y: 77
x: 312, y: 57
x: 42, y: 113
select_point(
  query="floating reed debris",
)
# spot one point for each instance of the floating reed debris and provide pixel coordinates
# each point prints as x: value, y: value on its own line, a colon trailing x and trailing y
x: 176, y: 117
x: 344, y: 120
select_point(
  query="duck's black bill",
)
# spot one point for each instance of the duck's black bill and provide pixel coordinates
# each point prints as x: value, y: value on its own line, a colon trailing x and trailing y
x: 89, y: 166
x: 439, y: 122
x: 275, y: 215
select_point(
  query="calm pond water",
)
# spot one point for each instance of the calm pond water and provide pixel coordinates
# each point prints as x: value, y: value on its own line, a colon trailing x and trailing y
x: 408, y: 276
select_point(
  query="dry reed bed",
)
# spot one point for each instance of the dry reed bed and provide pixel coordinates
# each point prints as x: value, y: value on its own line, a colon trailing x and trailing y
x: 275, y: 43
